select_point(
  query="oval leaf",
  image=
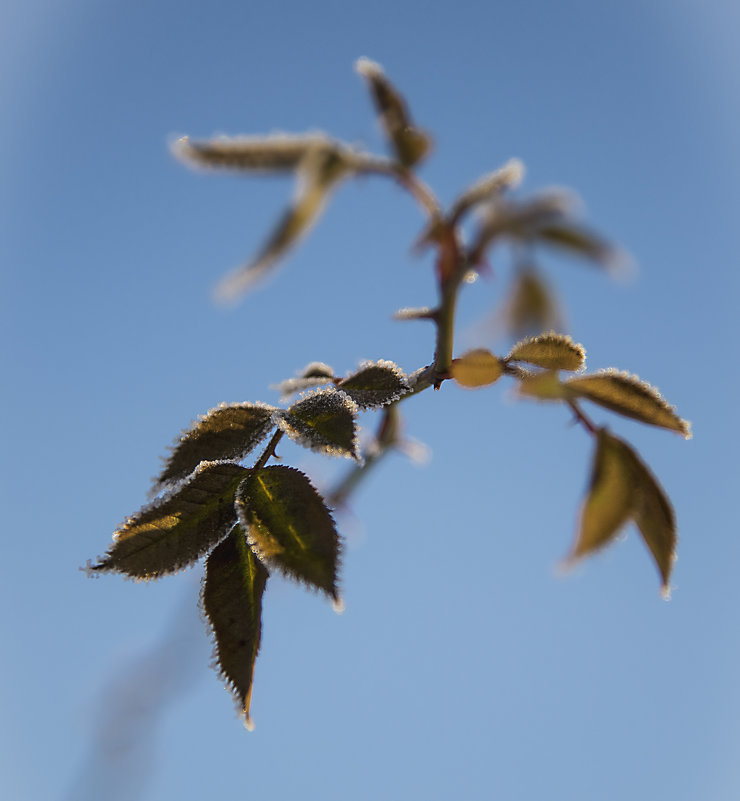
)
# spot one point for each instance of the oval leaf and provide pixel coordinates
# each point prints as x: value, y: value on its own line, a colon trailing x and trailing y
x: 314, y: 374
x: 611, y: 496
x: 542, y: 386
x: 409, y: 143
x: 177, y: 529
x: 627, y: 395
x: 289, y: 526
x: 375, y: 384
x: 325, y: 421
x: 552, y: 351
x: 476, y: 368
x: 531, y: 307
x: 233, y: 585
x: 228, y: 432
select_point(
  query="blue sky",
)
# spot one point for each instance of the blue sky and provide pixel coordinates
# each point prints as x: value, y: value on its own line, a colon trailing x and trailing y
x: 464, y: 665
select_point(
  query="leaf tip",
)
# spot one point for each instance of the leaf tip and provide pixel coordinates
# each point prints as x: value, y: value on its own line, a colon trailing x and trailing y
x: 337, y: 604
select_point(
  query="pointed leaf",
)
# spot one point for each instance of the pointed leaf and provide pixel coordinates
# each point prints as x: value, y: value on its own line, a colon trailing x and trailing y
x: 476, y: 368
x: 276, y: 152
x: 578, y: 240
x: 409, y: 143
x: 507, y: 177
x: 375, y: 384
x: 657, y: 523
x: 233, y: 585
x: 320, y: 169
x: 611, y: 496
x: 627, y: 395
x: 228, y: 432
x: 313, y: 375
x: 289, y: 526
x: 177, y: 529
x: 552, y: 351
x: 325, y: 421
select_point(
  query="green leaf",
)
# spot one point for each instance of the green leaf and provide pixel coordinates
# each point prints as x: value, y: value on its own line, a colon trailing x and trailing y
x: 313, y: 375
x: 409, y: 143
x: 324, y: 421
x: 319, y: 170
x: 177, y: 529
x: 544, y: 386
x: 627, y: 395
x: 551, y: 351
x: 375, y: 384
x: 232, y: 591
x: 289, y: 527
x: 611, y: 496
x: 623, y: 489
x: 276, y: 152
x: 509, y: 176
x: 476, y: 368
x: 228, y: 432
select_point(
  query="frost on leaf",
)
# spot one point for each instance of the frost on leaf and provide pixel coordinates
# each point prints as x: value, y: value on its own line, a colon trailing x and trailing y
x: 622, y: 489
x: 551, y: 351
x: 313, y: 375
x: 233, y: 585
x: 627, y: 395
x: 409, y: 143
x: 325, y: 421
x: 289, y: 527
x: 319, y: 170
x: 228, y: 432
x: 375, y: 384
x: 276, y: 152
x: 177, y: 529
x: 476, y: 368
x: 507, y: 177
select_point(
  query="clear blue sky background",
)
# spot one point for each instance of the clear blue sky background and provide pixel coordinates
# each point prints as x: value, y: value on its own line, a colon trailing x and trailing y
x: 464, y: 665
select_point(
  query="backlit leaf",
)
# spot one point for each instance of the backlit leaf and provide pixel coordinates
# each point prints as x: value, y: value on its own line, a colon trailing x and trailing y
x: 177, y: 529
x: 576, y: 239
x: 611, y: 496
x: 319, y: 170
x: 476, y: 368
x: 276, y: 152
x: 289, y: 526
x: 507, y: 177
x: 375, y: 384
x: 228, y: 432
x: 657, y: 523
x: 552, y: 351
x: 409, y: 143
x: 325, y: 421
x: 315, y: 374
x: 531, y: 307
x: 627, y: 395
x: 542, y: 386
x: 232, y: 601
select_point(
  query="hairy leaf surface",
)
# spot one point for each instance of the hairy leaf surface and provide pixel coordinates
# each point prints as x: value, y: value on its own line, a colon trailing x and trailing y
x: 177, y: 529
x: 627, y: 395
x: 375, y: 384
x: 542, y: 386
x: 228, y: 432
x: 325, y: 421
x: 476, y: 368
x: 552, y: 351
x: 313, y: 375
x: 289, y: 526
x: 409, y: 143
x: 234, y: 582
x: 509, y: 176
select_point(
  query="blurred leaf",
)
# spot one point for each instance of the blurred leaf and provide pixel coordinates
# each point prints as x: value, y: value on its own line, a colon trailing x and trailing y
x: 177, y: 529
x: 228, y: 432
x: 542, y: 386
x: 409, y: 143
x: 476, y: 368
x: 552, y: 351
x: 580, y: 241
x: 234, y: 582
x: 276, y: 152
x: 627, y: 395
x: 319, y: 170
x: 289, y: 526
x: 375, y: 384
x: 531, y: 306
x: 424, y: 313
x: 313, y: 375
x: 325, y: 421
x: 623, y: 489
x: 494, y: 183
x: 611, y: 496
